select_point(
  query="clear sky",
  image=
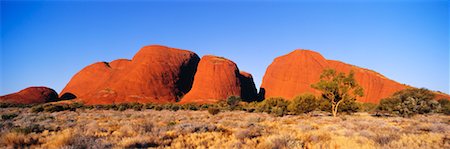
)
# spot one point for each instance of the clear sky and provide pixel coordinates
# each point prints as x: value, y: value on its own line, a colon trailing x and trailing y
x: 46, y: 43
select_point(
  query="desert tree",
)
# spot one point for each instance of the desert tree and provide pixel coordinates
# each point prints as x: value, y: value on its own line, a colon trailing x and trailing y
x: 338, y: 87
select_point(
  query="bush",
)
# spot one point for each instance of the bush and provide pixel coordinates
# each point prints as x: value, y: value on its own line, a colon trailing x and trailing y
x: 445, y: 106
x: 303, y: 104
x: 347, y: 106
x: 190, y: 106
x: 136, y: 106
x: 233, y: 102
x: 276, y: 106
x: 54, y: 108
x: 213, y: 111
x: 149, y: 106
x: 122, y: 107
x: 367, y: 107
x: 409, y: 102
x: 9, y: 116
x: 37, y: 109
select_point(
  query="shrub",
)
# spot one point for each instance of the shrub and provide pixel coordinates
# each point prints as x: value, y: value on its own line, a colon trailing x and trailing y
x: 445, y: 106
x: 213, y: 111
x: 149, y: 106
x: 409, y: 102
x: 54, y: 108
x: 347, y: 106
x: 190, y: 106
x: 367, y: 107
x: 136, y: 106
x: 123, y: 107
x: 233, y: 102
x: 175, y: 107
x: 303, y: 104
x: 276, y: 106
x: 158, y: 107
x: 37, y: 109
x: 9, y: 116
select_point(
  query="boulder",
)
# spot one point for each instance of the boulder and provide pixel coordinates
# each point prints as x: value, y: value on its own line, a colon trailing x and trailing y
x: 218, y: 78
x: 31, y: 95
x: 292, y: 74
x: 156, y: 74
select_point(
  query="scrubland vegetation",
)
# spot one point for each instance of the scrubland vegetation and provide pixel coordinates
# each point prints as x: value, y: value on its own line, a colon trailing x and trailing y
x: 99, y: 128
x: 408, y: 119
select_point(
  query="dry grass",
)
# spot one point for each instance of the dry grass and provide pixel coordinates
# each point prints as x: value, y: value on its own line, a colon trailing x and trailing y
x: 199, y: 129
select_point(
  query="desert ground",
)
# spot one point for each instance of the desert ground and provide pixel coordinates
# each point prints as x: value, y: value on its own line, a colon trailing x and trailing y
x: 93, y: 128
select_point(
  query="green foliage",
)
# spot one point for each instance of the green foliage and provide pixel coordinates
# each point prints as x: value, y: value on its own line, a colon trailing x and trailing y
x: 213, y: 110
x: 9, y: 116
x: 37, y: 109
x: 409, y: 102
x: 149, y: 106
x: 367, y: 107
x: 347, y: 106
x: 14, y: 105
x: 445, y: 106
x: 233, y: 102
x: 122, y: 107
x: 36, y: 128
x: 303, y: 104
x: 276, y: 106
x: 338, y: 87
x: 190, y: 106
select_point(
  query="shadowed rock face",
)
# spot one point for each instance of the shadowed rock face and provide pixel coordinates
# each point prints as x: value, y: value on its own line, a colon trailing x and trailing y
x: 156, y: 74
x: 216, y: 79
x: 31, y: 95
x: 292, y: 74
x: 248, y: 89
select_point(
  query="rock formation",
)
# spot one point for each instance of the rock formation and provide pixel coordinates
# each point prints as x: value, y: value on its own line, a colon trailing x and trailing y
x: 293, y: 74
x: 31, y: 95
x: 218, y: 78
x: 155, y: 74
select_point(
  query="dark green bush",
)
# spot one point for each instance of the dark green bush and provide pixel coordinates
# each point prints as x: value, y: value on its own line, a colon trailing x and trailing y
x: 9, y: 116
x: 367, y: 107
x: 36, y: 128
x: 158, y: 107
x: 136, y: 106
x: 233, y: 102
x: 445, y: 106
x: 37, y: 109
x: 54, y: 108
x: 213, y: 111
x: 123, y: 106
x: 276, y: 106
x: 303, y: 104
x: 149, y: 106
x: 190, y: 106
x: 347, y: 106
x: 409, y: 102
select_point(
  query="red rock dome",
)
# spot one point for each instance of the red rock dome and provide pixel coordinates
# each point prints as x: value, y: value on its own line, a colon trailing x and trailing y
x: 216, y: 79
x: 31, y: 95
x: 292, y: 74
x: 156, y: 74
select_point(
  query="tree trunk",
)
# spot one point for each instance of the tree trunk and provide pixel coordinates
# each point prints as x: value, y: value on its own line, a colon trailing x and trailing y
x: 333, y: 110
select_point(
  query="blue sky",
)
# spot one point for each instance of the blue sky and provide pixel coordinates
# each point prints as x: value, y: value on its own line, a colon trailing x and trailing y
x: 44, y: 43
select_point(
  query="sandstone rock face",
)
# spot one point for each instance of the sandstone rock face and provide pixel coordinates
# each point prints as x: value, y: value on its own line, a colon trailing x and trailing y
x: 293, y: 74
x: 31, y: 95
x: 216, y: 79
x: 156, y: 74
